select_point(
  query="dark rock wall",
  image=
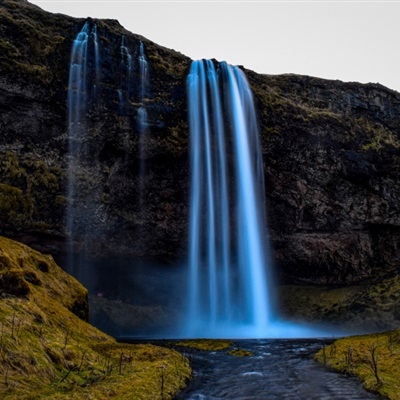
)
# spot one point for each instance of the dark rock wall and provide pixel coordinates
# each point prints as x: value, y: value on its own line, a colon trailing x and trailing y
x: 331, y: 154
x: 331, y: 157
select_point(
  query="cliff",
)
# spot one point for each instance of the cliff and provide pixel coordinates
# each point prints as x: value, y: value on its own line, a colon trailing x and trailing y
x: 331, y: 160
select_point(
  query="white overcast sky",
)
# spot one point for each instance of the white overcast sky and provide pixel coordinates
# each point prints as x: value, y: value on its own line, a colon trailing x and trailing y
x: 346, y: 40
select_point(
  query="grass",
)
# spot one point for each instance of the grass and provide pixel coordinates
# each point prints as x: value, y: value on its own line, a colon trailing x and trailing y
x: 47, y: 351
x: 206, y: 344
x: 214, y: 345
x: 240, y: 353
x: 375, y: 359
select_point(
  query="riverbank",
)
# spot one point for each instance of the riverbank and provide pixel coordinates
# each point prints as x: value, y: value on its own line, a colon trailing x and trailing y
x: 375, y: 359
x: 49, y: 351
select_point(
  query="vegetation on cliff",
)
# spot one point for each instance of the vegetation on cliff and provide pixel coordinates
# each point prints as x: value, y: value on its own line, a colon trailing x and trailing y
x: 47, y: 351
x: 369, y: 306
x: 375, y: 359
x: 31, y: 192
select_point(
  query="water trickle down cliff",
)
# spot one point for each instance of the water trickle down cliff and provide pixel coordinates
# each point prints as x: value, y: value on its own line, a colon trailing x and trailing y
x: 126, y: 67
x: 84, y: 76
x: 142, y: 122
x: 97, y: 61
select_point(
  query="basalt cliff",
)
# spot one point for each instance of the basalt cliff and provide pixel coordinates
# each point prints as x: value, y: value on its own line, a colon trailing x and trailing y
x: 330, y: 152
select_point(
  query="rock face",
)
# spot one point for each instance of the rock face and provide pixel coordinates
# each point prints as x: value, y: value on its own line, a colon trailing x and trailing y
x: 331, y: 154
x: 331, y: 157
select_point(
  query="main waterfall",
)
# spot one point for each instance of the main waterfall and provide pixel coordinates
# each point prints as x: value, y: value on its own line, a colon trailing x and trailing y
x: 230, y: 275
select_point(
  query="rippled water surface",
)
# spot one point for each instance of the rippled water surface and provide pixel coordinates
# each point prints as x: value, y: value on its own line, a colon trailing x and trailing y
x: 279, y: 369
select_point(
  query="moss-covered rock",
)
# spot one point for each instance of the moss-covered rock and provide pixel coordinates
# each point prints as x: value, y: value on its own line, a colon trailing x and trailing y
x: 206, y: 344
x: 46, y: 351
x: 240, y: 353
x: 367, y: 307
x: 375, y: 359
x: 30, y: 193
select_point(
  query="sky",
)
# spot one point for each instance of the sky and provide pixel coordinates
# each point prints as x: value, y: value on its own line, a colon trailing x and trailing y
x: 332, y: 39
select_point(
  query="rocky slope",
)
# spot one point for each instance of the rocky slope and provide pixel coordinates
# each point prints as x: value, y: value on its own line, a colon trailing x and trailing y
x: 47, y: 351
x: 331, y: 161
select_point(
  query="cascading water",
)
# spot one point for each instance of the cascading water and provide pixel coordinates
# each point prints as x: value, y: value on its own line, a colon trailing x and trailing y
x: 126, y: 57
x: 96, y: 59
x: 142, y: 112
x: 231, y: 285
x: 125, y: 75
x: 82, y: 60
x: 142, y: 123
x: 229, y: 281
x: 77, y: 102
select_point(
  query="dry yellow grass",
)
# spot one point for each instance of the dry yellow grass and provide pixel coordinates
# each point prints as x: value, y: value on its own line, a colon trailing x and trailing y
x: 375, y: 359
x: 46, y: 351
x: 205, y: 344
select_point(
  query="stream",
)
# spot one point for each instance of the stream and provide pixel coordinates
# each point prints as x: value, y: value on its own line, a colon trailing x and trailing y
x: 279, y: 369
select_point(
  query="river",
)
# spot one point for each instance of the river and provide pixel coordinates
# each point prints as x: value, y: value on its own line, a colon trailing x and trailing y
x: 279, y: 369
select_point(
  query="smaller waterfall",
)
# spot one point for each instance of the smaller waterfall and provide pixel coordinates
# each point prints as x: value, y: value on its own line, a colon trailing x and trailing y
x: 125, y: 76
x: 126, y: 58
x: 96, y: 60
x: 142, y: 122
x: 142, y: 112
x: 77, y: 103
x: 84, y: 76
x: 121, y: 101
x: 77, y: 95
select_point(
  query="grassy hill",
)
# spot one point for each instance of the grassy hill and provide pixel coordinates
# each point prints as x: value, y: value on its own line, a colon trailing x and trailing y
x: 375, y: 359
x: 47, y: 350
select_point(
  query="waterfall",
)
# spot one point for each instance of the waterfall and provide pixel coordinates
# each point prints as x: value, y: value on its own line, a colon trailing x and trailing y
x: 96, y: 59
x: 142, y: 124
x: 142, y: 112
x: 121, y: 101
x: 125, y: 75
x: 83, y: 76
x: 229, y: 267
x: 126, y: 57
x: 77, y: 103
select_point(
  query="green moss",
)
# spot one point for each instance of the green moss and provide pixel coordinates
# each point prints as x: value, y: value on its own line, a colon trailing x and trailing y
x: 377, y: 136
x: 16, y: 208
x: 35, y: 42
x: 177, y: 139
x: 36, y: 71
x: 60, y: 201
x: 46, y: 351
x: 368, y: 306
x: 31, y: 191
x: 206, y: 344
x: 356, y: 356
x: 271, y: 131
x: 240, y: 353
